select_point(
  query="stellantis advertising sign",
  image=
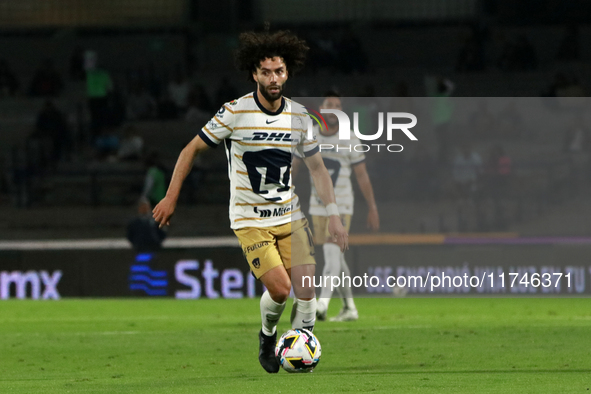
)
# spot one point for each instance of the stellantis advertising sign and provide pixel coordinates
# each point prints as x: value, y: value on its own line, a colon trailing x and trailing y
x: 183, y: 274
x: 222, y: 272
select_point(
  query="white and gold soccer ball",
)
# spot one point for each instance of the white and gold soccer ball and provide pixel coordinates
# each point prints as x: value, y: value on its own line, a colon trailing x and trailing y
x: 298, y: 350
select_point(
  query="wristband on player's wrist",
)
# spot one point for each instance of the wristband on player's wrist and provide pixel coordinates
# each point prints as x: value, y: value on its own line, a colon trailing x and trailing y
x: 332, y: 209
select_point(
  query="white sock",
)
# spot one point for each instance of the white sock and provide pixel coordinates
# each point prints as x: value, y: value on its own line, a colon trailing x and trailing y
x: 346, y: 291
x: 270, y: 313
x: 332, y: 267
x: 305, y: 315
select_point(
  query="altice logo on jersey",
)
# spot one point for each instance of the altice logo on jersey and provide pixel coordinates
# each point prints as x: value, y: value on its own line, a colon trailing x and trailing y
x: 345, y: 130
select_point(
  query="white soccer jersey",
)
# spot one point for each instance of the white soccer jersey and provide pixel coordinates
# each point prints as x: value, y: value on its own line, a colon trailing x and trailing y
x: 259, y: 146
x: 338, y: 161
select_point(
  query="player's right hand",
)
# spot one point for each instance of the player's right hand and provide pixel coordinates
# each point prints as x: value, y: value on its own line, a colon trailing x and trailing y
x: 163, y: 211
x: 338, y: 233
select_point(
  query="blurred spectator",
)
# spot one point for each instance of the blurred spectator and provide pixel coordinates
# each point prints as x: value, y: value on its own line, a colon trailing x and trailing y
x: 106, y: 144
x: 482, y: 122
x: 22, y: 171
x: 8, y: 82
x: 423, y: 169
x: 570, y: 46
x: 497, y: 175
x: 140, y: 104
x: 510, y: 122
x: 466, y: 171
x: 143, y: 232
x: 51, y: 126
x: 46, y: 82
x: 226, y: 92
x: 178, y: 89
x: 98, y: 88
x: 132, y: 145
x: 77, y: 64
x: 576, y: 139
x: 441, y: 89
x: 155, y: 183
x: 497, y: 170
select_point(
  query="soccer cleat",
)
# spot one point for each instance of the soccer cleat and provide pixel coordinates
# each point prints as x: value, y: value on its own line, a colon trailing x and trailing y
x: 267, y: 352
x: 346, y: 315
x: 321, y: 312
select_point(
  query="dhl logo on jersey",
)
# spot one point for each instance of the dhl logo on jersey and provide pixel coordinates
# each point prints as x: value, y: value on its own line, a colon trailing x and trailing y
x: 262, y: 136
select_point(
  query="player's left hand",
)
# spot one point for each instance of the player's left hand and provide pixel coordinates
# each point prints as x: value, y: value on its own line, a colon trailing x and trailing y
x: 373, y: 219
x: 163, y: 211
x: 338, y: 233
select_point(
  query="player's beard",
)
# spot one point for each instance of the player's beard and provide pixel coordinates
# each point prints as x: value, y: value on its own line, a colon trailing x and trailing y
x: 270, y: 97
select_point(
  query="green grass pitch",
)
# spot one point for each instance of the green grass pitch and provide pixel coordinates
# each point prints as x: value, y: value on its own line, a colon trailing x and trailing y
x: 454, y: 345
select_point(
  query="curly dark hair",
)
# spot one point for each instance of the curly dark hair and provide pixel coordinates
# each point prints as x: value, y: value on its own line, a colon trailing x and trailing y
x: 256, y: 47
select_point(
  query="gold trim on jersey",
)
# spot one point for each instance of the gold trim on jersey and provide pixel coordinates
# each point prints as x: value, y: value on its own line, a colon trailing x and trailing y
x: 228, y: 109
x: 210, y: 133
x: 264, y: 144
x: 241, y: 204
x: 248, y: 111
x: 238, y: 156
x: 241, y: 172
x: 270, y: 217
x: 258, y: 111
x: 264, y: 128
x: 222, y: 123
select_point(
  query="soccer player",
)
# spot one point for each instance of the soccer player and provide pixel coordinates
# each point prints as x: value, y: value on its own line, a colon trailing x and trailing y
x: 260, y: 132
x: 339, y: 157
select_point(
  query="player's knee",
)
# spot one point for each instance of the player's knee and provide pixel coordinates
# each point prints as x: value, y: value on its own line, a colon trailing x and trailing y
x: 280, y: 292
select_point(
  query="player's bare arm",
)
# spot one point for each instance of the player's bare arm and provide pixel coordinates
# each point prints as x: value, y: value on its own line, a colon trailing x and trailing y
x: 165, y: 208
x: 295, y: 167
x: 373, y: 219
x: 323, y: 185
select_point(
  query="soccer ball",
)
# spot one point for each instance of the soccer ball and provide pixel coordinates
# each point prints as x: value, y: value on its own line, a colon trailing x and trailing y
x: 298, y: 350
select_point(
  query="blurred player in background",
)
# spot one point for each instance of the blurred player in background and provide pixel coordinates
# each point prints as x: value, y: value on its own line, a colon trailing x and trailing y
x: 339, y: 164
x: 260, y: 138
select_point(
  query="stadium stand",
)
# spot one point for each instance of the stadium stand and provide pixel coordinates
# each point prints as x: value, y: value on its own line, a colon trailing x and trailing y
x: 544, y: 177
